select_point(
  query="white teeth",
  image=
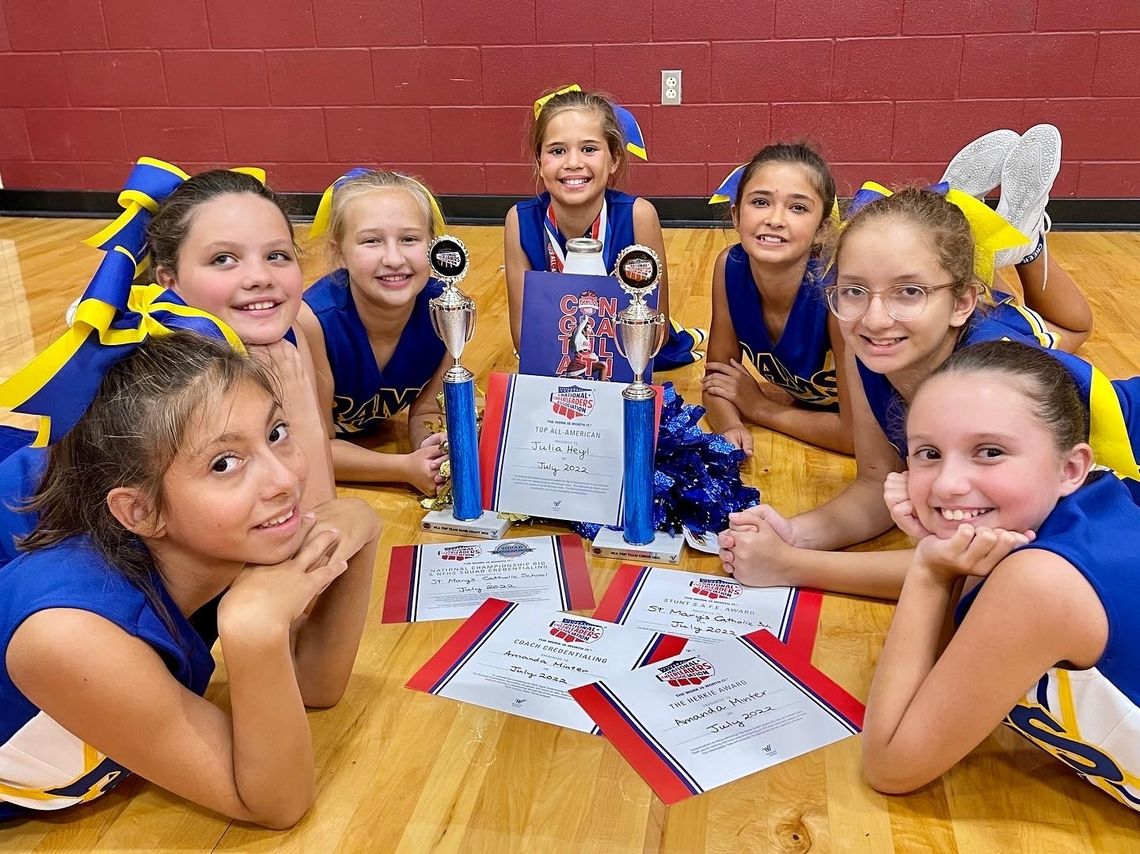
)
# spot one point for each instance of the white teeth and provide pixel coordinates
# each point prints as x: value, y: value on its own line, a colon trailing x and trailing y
x: 575, y: 181
x: 257, y: 306
x: 771, y: 238
x: 884, y: 342
x: 960, y: 515
x: 272, y: 523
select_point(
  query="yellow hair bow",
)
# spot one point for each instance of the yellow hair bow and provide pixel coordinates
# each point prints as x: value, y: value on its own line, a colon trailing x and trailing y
x: 323, y: 216
x: 991, y: 231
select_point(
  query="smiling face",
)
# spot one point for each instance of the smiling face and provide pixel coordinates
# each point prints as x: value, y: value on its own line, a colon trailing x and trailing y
x: 238, y: 263
x: 575, y: 162
x: 889, y: 251
x: 780, y: 213
x: 232, y: 494
x: 384, y: 248
x: 979, y: 454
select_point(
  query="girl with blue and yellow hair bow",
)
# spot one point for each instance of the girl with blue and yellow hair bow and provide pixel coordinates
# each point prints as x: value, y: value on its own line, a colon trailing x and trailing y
x: 369, y: 322
x: 580, y: 142
x: 221, y: 248
x: 768, y: 307
x: 910, y: 269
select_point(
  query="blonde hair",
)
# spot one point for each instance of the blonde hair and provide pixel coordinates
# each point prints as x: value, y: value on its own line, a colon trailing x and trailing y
x: 378, y: 179
x: 590, y: 102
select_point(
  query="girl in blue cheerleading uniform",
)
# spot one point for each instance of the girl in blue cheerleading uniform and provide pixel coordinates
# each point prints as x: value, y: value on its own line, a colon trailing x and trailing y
x: 579, y: 141
x: 170, y: 514
x: 1027, y: 552
x: 375, y: 350
x: 768, y: 305
x: 906, y: 297
x: 221, y: 246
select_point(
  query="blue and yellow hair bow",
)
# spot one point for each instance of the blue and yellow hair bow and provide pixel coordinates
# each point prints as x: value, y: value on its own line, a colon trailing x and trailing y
x: 630, y: 129
x: 729, y: 187
x: 991, y: 231
x: 150, y: 184
x: 112, y: 317
x: 323, y: 217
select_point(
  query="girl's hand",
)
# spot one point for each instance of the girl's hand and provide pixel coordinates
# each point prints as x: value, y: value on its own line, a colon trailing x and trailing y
x: 276, y: 596
x: 902, y: 510
x: 752, y: 518
x: 353, y: 521
x: 741, y: 437
x: 286, y: 362
x: 756, y: 555
x: 732, y: 381
x: 421, y: 467
x: 434, y: 439
x: 970, y: 551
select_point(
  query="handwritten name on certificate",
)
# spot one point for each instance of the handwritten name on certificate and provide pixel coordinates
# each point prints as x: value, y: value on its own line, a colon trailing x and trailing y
x: 709, y: 608
x: 522, y: 659
x: 553, y: 448
x: 695, y: 722
x: 450, y: 581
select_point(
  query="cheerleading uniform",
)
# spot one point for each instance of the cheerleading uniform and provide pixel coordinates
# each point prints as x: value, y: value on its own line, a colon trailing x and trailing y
x: 545, y: 247
x: 801, y: 361
x: 42, y: 765
x: 1090, y: 719
x: 364, y: 395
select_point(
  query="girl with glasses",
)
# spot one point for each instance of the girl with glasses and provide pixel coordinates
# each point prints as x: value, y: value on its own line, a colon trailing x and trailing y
x: 906, y: 297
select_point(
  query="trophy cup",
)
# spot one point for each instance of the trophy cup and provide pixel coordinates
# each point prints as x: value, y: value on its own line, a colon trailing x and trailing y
x: 453, y: 317
x: 640, y: 333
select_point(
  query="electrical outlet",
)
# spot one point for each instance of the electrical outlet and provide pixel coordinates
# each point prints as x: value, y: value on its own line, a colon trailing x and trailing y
x: 671, y: 87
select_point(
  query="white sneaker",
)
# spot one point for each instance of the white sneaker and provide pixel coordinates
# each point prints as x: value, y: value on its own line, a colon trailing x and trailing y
x: 1026, y: 179
x: 976, y: 169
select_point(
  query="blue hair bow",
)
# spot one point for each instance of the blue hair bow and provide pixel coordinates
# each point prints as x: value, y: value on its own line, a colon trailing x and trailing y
x: 112, y: 317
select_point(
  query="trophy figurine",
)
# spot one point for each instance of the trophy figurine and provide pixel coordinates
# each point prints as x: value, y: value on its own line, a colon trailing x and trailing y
x: 640, y: 333
x: 453, y: 317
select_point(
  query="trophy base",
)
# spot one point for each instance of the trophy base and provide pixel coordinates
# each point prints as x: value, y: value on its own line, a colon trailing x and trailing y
x: 664, y: 548
x: 487, y: 527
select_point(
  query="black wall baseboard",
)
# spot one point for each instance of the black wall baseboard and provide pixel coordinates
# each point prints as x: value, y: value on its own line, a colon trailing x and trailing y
x: 675, y: 211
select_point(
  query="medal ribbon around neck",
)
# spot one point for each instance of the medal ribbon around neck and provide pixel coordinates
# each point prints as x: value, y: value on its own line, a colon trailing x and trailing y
x: 112, y: 317
x: 323, y: 216
x: 556, y: 242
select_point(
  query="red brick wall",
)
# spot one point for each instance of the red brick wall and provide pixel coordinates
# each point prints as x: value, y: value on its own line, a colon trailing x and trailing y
x: 442, y: 88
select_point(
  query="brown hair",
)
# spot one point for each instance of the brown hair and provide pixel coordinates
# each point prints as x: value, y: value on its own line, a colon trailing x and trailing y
x: 129, y: 436
x: 1038, y: 376
x: 802, y: 154
x: 595, y: 102
x: 167, y: 230
x: 945, y: 226
x: 377, y: 179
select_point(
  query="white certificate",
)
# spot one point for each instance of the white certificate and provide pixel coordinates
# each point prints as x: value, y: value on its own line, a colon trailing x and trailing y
x: 553, y: 448
x: 450, y: 581
x: 695, y: 722
x: 522, y: 659
x: 709, y: 608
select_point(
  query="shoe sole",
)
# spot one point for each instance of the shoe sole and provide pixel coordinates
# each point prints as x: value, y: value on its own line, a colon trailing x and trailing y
x: 1026, y: 179
x: 977, y: 168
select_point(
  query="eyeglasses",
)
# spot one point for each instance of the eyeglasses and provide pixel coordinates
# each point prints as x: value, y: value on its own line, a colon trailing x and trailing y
x: 902, y: 302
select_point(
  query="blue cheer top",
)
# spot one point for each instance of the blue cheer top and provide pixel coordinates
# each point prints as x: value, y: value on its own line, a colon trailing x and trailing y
x: 1090, y: 719
x: 42, y: 765
x: 20, y: 476
x: 680, y: 347
x: 801, y: 362
x: 364, y: 396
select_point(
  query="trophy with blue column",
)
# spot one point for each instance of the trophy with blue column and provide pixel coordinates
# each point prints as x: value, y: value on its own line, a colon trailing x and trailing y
x: 640, y: 333
x: 453, y: 317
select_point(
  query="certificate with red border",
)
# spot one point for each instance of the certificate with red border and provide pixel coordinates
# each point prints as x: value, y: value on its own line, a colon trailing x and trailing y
x: 698, y: 721
x: 450, y: 581
x: 554, y: 448
x: 709, y: 608
x: 523, y: 659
